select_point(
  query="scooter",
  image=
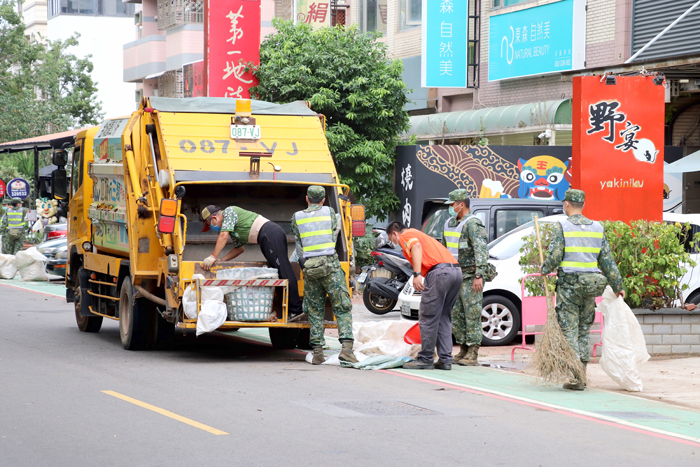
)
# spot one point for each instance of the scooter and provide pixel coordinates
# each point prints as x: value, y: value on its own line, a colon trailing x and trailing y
x: 384, y: 280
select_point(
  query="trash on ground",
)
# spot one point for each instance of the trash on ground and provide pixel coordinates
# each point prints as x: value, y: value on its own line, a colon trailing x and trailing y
x: 31, y: 265
x: 8, y: 270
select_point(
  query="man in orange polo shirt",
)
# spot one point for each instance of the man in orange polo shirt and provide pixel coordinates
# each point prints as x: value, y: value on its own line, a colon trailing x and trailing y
x: 438, y: 276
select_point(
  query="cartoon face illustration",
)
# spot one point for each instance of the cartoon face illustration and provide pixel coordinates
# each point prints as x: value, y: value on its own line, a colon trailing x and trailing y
x: 46, y: 208
x: 542, y: 177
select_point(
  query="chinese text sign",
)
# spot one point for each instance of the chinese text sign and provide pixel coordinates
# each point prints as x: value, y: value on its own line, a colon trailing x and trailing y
x: 618, y: 144
x: 232, y: 39
x: 444, y: 54
x: 543, y: 39
x: 315, y: 13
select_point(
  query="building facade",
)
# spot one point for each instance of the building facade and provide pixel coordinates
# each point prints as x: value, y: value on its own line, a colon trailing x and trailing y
x: 521, y: 104
x: 103, y: 25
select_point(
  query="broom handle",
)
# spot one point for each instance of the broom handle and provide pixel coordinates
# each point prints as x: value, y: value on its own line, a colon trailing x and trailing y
x: 539, y: 246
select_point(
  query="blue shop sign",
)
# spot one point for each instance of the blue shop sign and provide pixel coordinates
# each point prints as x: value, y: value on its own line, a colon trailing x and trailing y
x: 534, y: 41
x: 18, y: 188
x: 444, y: 44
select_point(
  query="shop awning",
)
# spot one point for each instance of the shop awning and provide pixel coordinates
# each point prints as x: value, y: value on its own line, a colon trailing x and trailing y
x: 689, y: 163
x: 52, y: 141
x: 521, y: 118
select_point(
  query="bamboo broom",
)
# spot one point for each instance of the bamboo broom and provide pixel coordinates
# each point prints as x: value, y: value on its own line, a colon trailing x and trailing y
x: 555, y: 360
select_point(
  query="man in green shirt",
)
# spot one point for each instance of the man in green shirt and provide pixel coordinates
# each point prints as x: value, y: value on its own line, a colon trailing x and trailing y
x: 250, y: 227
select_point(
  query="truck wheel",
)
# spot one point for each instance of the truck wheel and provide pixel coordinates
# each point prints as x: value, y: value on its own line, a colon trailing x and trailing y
x: 133, y: 318
x: 163, y: 332
x: 85, y: 323
x: 284, y: 338
x: 303, y: 339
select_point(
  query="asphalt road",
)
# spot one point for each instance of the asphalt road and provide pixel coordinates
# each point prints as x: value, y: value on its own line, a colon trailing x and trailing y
x: 219, y: 400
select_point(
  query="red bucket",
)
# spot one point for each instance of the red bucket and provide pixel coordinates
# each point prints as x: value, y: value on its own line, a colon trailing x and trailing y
x: 412, y: 336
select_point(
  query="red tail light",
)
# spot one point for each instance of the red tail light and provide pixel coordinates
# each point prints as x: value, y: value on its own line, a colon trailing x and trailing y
x: 57, y: 234
x: 381, y: 263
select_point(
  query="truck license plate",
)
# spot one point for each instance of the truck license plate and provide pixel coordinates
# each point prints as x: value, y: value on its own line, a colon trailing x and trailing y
x: 245, y: 132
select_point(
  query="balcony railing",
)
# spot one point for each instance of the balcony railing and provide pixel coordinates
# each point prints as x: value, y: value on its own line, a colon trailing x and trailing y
x: 172, y: 13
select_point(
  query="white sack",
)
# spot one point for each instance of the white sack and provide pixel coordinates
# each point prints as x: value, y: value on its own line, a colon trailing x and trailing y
x: 624, y: 348
x: 189, y: 303
x: 212, y: 316
x: 31, y: 265
x: 383, y: 338
x: 215, y: 294
x: 7, y: 267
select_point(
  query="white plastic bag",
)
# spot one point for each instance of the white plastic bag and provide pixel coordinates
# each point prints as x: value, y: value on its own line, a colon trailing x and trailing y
x: 383, y: 338
x: 189, y: 299
x: 212, y: 315
x: 624, y: 348
x: 247, y: 273
x: 31, y: 265
x: 7, y: 267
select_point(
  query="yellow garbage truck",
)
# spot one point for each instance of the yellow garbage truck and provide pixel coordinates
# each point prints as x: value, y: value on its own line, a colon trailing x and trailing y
x: 136, y: 190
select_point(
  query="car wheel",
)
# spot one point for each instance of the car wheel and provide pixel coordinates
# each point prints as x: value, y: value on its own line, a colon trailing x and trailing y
x: 500, y: 320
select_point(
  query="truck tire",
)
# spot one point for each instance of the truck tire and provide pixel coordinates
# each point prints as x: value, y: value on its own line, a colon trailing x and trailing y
x: 284, y: 338
x: 133, y: 318
x: 303, y: 339
x: 85, y: 323
x: 162, y: 332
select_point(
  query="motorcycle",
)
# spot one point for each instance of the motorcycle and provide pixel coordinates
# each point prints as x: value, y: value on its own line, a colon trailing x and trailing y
x: 385, y: 278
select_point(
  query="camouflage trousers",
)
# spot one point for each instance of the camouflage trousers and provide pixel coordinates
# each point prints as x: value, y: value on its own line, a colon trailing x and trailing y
x: 575, y: 313
x: 315, y: 290
x: 11, y: 245
x: 466, y: 315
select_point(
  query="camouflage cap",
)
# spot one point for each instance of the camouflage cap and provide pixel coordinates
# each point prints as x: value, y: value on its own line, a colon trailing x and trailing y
x: 6, y: 201
x: 576, y: 196
x: 458, y: 195
x: 16, y: 200
x: 316, y: 192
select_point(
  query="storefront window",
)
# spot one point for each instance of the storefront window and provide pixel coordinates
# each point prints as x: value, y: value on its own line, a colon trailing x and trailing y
x: 505, y: 3
x: 411, y: 13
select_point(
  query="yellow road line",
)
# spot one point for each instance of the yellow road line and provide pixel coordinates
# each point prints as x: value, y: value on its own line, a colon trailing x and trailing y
x: 167, y: 413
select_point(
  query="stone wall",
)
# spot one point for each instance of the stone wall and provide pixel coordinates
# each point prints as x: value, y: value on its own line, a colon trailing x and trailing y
x: 670, y: 331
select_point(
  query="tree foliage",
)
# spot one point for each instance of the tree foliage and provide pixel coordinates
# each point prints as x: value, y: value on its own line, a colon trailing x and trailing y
x: 43, y: 88
x: 345, y: 74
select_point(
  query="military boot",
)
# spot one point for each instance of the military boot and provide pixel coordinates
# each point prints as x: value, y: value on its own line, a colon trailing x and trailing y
x: 346, y: 354
x: 472, y: 357
x: 463, y: 348
x: 318, y: 356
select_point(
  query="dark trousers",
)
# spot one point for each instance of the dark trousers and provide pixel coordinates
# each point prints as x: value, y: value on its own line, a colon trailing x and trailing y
x: 442, y: 288
x: 273, y: 245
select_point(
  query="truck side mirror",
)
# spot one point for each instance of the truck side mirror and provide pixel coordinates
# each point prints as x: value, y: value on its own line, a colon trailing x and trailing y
x: 59, y: 157
x: 59, y: 184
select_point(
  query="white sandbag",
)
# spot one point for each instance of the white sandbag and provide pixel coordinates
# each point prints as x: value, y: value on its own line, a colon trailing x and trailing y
x: 624, y: 348
x: 8, y: 270
x: 31, y: 265
x: 189, y: 303
x: 215, y: 294
x: 212, y: 315
x: 383, y: 338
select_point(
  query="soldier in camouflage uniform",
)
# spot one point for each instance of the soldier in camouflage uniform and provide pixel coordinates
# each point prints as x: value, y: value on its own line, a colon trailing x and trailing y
x: 3, y: 228
x: 13, y: 226
x: 465, y: 236
x: 579, y: 252
x: 314, y: 230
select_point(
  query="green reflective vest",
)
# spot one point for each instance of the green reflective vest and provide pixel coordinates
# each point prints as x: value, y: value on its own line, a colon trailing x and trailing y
x: 582, y: 244
x: 316, y: 232
x: 15, y: 218
x: 452, y: 234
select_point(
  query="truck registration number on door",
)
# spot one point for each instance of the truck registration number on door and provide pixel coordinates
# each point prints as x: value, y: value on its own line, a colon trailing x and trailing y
x: 245, y: 132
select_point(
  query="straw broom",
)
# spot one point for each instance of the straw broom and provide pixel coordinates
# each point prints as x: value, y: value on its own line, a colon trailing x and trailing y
x: 555, y: 360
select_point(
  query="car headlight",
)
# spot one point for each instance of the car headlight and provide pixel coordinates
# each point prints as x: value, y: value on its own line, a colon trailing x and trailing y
x: 45, y: 251
x: 62, y: 254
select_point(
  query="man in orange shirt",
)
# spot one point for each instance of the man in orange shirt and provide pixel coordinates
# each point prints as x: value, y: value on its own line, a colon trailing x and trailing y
x: 438, y: 276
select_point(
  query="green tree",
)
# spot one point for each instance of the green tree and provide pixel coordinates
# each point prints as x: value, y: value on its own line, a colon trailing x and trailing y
x: 43, y: 88
x: 346, y: 75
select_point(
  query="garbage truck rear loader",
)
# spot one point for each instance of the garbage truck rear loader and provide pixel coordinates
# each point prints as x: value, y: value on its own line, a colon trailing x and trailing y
x: 137, y: 188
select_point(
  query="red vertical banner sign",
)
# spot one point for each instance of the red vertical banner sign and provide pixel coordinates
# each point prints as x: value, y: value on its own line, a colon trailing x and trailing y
x: 618, y: 147
x: 231, y: 39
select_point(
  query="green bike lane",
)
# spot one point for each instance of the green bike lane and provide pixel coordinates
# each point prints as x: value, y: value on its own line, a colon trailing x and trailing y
x: 625, y: 411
